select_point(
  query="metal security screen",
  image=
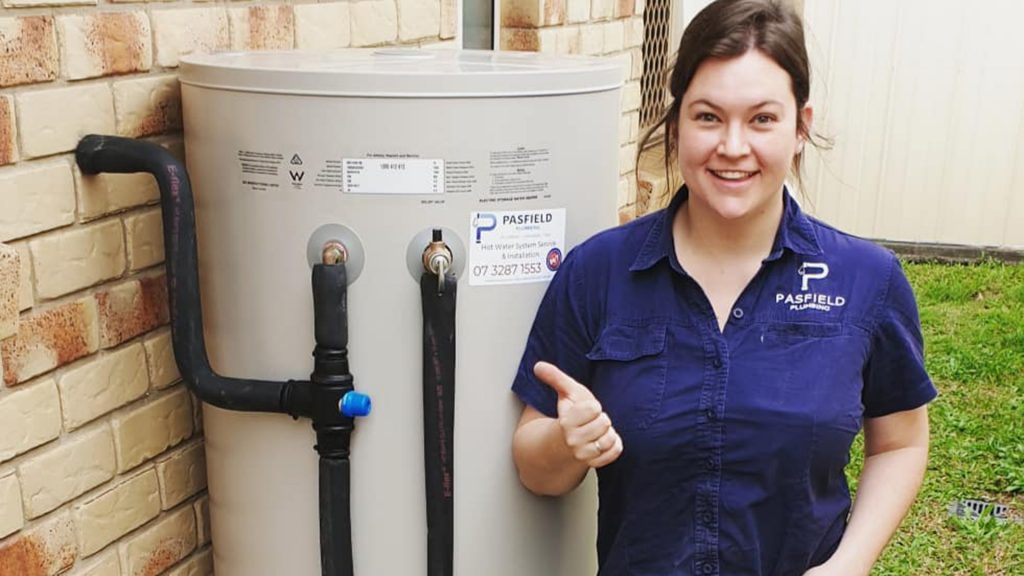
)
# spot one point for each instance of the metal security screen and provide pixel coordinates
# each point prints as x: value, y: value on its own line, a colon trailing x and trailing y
x: 657, y: 33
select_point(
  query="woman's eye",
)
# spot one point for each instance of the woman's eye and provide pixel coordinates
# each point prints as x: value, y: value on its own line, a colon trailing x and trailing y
x: 705, y: 117
x: 764, y: 119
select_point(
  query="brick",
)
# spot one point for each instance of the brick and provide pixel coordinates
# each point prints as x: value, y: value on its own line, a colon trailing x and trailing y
x: 639, y: 7
x: 569, y: 40
x: 110, y: 515
x: 102, y: 194
x: 182, y: 474
x: 624, y: 129
x: 25, y: 299
x: 627, y: 158
x: 180, y: 32
x: 102, y: 384
x: 12, y: 517
x: 614, y: 36
x: 149, y: 430
x: 28, y: 50
x: 29, y: 417
x: 623, y: 197
x: 634, y: 32
x: 374, y: 22
x: 631, y: 97
x: 202, y: 507
x: 163, y: 370
x: 78, y: 258
x: 592, y: 39
x: 624, y: 8
x: 532, y: 13
x: 8, y: 131
x: 38, y: 3
x: 262, y: 27
x: 54, y: 120
x: 161, y: 545
x: 131, y: 309
x: 144, y: 239
x: 105, y: 43
x: 602, y: 9
x: 37, y: 197
x: 106, y: 564
x: 10, y: 281
x: 577, y: 11
x: 638, y: 64
x: 46, y: 549
x: 627, y: 214
x: 633, y: 119
x: 418, y: 19
x: 449, y: 19
x: 147, y: 106
x: 200, y: 564
x: 65, y: 471
x: 530, y: 39
x: 49, y: 339
x: 322, y: 26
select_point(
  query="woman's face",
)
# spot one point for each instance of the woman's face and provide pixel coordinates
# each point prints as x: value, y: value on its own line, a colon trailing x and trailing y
x: 737, y: 134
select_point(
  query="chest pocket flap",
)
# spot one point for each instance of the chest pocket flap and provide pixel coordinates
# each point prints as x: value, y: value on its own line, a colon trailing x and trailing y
x: 628, y: 373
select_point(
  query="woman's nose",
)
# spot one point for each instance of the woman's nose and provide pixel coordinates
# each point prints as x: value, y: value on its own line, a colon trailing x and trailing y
x: 734, y: 141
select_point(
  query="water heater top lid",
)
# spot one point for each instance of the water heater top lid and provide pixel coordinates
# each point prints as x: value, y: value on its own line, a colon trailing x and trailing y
x: 402, y: 73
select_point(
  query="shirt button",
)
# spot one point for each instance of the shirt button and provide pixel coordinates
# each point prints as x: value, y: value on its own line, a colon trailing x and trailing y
x: 737, y: 313
x: 717, y: 362
x: 707, y: 569
x: 710, y: 414
x: 710, y: 463
x: 706, y: 518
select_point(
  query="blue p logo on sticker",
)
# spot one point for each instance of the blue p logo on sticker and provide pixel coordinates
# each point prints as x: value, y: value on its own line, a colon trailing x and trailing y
x: 481, y: 227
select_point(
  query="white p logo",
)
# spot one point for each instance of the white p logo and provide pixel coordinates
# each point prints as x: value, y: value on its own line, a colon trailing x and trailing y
x: 811, y: 271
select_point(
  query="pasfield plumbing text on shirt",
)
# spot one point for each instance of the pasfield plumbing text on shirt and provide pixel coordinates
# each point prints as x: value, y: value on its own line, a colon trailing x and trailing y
x: 512, y: 247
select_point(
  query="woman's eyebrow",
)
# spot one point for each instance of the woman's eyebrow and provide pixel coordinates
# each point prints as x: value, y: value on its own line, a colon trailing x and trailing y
x: 710, y: 104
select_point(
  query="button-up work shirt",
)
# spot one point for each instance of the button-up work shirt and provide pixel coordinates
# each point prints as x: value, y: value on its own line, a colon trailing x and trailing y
x: 735, y: 440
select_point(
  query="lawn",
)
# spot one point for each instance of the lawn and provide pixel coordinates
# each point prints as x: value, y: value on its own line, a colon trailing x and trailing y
x: 973, y: 321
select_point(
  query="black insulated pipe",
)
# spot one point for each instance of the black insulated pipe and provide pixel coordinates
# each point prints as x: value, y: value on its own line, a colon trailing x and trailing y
x: 96, y: 154
x: 332, y: 382
x: 439, y: 417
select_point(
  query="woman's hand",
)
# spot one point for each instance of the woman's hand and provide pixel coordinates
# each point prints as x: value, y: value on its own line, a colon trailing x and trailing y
x: 586, y: 428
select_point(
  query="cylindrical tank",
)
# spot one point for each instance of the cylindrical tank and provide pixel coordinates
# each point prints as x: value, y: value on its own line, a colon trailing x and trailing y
x: 515, y: 157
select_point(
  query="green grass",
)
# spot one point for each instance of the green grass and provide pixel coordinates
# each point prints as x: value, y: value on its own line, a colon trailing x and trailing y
x: 973, y: 322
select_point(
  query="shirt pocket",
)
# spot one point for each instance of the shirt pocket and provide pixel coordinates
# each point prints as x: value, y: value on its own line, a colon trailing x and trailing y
x: 628, y: 373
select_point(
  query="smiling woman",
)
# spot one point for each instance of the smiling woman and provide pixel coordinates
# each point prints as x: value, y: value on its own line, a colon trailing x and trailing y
x: 715, y: 360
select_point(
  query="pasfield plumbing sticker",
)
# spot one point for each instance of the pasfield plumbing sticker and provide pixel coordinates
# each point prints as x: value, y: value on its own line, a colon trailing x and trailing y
x: 514, y: 247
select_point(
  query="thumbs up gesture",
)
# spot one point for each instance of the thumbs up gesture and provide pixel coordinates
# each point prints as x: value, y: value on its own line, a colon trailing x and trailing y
x: 586, y: 428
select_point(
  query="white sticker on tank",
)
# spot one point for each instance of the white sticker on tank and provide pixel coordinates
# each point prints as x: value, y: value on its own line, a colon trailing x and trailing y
x: 392, y: 176
x: 513, y: 247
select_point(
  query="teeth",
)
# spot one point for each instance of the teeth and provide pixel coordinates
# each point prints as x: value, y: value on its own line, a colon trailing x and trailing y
x: 732, y: 174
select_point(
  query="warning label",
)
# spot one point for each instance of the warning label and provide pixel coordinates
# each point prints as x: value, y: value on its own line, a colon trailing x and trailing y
x: 514, y: 247
x: 519, y: 174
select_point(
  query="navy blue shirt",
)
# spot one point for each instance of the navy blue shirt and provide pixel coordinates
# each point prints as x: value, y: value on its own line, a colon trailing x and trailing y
x: 735, y: 440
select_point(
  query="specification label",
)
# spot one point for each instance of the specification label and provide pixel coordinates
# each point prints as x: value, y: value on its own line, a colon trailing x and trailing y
x: 392, y: 176
x: 515, y: 246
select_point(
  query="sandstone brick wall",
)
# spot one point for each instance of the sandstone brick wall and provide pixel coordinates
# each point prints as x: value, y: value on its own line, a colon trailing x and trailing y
x: 611, y: 28
x: 102, y: 471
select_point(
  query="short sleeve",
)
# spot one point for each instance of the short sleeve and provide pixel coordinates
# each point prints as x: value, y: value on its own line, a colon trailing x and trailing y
x: 559, y: 335
x: 895, y: 378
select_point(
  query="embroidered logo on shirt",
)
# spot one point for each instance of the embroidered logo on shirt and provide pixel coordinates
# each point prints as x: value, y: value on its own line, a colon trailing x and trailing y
x: 811, y: 300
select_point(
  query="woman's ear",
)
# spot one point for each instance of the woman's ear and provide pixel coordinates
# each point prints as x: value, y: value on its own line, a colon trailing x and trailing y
x: 804, y: 127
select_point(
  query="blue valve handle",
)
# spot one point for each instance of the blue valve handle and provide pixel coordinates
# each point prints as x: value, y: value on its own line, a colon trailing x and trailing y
x: 355, y: 405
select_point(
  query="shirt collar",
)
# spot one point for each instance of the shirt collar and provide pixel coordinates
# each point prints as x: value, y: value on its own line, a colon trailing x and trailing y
x: 796, y: 234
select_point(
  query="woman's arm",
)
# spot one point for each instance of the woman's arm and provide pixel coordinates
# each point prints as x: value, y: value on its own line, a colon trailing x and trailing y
x: 895, y: 458
x: 554, y: 454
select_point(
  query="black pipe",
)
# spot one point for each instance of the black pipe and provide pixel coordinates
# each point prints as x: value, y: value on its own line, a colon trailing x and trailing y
x: 96, y: 154
x: 333, y: 424
x: 439, y: 417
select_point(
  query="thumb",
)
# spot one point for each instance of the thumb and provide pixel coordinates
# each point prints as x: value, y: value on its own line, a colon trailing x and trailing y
x: 560, y: 382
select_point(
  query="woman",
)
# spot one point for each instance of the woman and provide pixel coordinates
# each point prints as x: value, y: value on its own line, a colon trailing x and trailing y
x: 715, y: 360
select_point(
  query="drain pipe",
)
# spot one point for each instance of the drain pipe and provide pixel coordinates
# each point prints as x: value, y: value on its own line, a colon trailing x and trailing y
x: 328, y: 398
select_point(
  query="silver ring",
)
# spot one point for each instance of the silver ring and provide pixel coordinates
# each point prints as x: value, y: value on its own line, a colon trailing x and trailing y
x: 597, y: 444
